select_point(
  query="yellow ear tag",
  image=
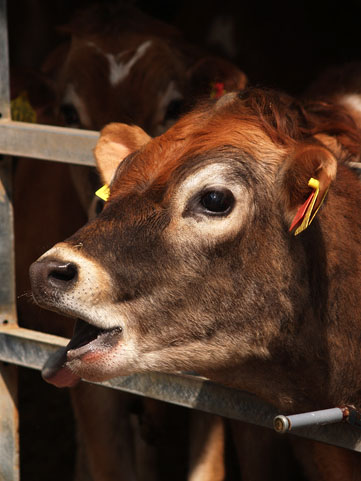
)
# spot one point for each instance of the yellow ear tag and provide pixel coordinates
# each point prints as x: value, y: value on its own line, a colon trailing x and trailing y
x: 103, y: 193
x: 21, y: 110
x: 306, y: 217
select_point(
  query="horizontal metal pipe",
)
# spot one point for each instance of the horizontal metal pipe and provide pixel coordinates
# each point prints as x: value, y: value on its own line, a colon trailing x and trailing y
x: 47, y: 142
x: 31, y: 349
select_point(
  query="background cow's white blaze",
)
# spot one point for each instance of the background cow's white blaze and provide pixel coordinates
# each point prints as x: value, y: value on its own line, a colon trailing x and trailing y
x: 170, y: 95
x: 119, y: 70
x: 72, y: 97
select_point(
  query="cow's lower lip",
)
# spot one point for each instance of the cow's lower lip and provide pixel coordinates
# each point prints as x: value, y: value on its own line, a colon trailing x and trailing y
x: 88, y: 343
x: 88, y: 339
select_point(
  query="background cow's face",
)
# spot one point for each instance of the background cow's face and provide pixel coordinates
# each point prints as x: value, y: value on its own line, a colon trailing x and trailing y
x: 121, y: 65
x: 189, y: 265
x: 118, y: 64
x: 106, y: 78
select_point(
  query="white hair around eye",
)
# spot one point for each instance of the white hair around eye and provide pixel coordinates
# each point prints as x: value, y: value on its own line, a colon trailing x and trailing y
x: 210, y: 203
x: 72, y: 98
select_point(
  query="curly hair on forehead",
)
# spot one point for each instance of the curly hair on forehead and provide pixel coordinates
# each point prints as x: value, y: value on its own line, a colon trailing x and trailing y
x: 286, y: 119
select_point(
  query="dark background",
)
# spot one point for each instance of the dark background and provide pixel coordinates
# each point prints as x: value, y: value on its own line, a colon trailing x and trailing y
x: 281, y: 44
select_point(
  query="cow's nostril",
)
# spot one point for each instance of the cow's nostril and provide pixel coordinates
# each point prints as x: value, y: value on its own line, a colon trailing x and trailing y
x: 48, y: 276
x: 62, y: 273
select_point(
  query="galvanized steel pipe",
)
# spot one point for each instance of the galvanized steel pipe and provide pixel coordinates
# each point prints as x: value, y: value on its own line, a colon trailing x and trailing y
x: 283, y: 424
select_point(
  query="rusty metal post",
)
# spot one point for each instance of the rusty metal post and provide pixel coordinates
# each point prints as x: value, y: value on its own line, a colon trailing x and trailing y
x: 9, y: 424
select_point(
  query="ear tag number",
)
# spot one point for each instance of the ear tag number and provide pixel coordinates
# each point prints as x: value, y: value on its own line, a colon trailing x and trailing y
x: 304, y: 217
x: 103, y: 193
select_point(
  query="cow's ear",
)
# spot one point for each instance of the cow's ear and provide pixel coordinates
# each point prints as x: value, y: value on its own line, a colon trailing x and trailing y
x: 212, y: 76
x: 115, y: 143
x: 306, y: 179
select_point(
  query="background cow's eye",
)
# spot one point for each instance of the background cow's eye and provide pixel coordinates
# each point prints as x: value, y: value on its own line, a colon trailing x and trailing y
x: 174, y: 109
x: 217, y: 201
x: 70, y: 115
x: 99, y: 206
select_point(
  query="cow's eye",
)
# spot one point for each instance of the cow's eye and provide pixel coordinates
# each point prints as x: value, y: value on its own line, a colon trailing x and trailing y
x: 174, y: 109
x: 70, y: 115
x: 217, y: 201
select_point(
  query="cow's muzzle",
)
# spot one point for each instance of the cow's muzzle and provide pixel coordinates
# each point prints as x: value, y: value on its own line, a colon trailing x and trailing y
x: 50, y: 276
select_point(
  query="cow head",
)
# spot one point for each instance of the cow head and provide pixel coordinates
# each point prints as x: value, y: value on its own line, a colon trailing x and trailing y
x: 191, y: 266
x: 122, y: 65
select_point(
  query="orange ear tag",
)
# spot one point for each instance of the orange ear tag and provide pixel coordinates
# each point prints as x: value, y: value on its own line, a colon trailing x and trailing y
x: 103, y: 193
x: 303, y: 214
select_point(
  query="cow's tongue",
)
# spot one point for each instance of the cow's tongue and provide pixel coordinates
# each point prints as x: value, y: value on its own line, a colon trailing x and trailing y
x: 87, y: 343
x: 55, y: 370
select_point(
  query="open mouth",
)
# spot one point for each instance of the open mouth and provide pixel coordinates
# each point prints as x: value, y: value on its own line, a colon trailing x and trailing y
x: 88, y: 343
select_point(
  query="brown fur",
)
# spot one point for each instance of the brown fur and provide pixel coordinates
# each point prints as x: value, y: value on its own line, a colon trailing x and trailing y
x: 264, y: 116
x: 260, y: 305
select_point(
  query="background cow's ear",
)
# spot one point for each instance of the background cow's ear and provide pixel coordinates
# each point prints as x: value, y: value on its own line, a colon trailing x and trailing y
x: 308, y: 161
x: 115, y: 143
x: 210, y: 70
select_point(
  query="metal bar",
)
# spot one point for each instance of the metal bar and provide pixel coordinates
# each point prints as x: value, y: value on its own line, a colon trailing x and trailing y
x: 4, y: 64
x: 9, y: 418
x: 48, y: 142
x: 7, y: 270
x: 27, y: 348
x: 31, y: 348
x: 283, y: 424
x: 9, y: 421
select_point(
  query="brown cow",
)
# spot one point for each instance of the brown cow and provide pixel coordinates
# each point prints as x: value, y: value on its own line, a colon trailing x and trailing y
x: 191, y: 264
x: 119, y: 64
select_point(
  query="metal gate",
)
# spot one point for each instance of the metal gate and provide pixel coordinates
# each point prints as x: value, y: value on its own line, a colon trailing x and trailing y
x: 23, y: 347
